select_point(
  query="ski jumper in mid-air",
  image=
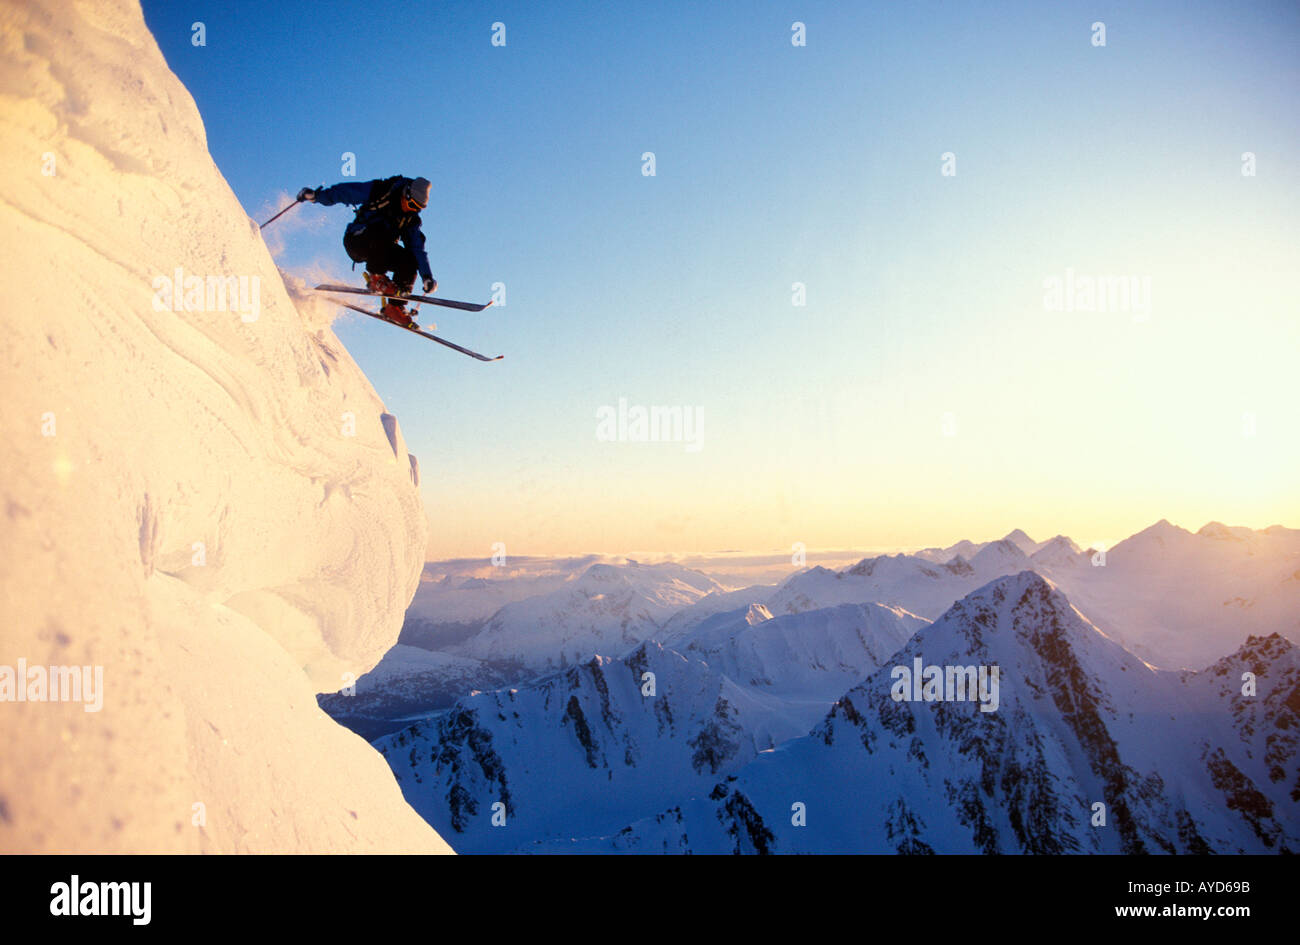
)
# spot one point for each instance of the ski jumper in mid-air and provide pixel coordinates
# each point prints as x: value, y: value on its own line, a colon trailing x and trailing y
x: 385, y: 235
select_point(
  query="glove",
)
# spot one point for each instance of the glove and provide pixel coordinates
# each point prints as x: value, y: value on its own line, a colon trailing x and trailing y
x: 307, y: 194
x: 429, y: 285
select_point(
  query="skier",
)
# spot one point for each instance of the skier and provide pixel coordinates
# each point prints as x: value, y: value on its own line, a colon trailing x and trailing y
x: 388, y: 211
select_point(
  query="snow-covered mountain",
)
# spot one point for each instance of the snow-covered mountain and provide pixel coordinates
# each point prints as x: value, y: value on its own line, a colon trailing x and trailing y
x: 206, y: 502
x: 1180, y: 599
x: 455, y: 598
x: 582, y: 609
x: 969, y: 549
x: 1183, y: 763
x: 578, y: 750
x: 900, y: 581
x: 589, y: 746
x: 608, y: 609
x: 792, y: 648
x: 1060, y: 552
x: 408, y: 683
x: 1175, y: 598
x: 808, y: 655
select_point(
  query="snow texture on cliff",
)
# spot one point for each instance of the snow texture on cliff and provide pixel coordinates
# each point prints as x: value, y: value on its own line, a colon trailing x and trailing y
x: 209, y: 501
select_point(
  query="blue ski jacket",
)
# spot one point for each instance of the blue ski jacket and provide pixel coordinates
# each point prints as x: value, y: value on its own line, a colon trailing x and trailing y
x: 389, y: 217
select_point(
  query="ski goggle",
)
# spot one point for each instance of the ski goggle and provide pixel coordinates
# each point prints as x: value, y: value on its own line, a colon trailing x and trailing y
x: 409, y: 203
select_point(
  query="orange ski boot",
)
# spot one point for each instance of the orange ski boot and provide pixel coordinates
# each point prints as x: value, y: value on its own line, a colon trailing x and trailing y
x: 396, y: 313
x: 378, y: 282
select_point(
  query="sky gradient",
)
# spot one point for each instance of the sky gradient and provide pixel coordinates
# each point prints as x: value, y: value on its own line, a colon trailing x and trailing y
x: 924, y: 393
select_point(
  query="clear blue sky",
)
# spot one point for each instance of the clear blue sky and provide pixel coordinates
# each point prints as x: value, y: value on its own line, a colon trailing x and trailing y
x: 821, y: 164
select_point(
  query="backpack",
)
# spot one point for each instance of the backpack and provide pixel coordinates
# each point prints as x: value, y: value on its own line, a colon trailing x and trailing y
x: 383, y: 193
x: 380, y: 220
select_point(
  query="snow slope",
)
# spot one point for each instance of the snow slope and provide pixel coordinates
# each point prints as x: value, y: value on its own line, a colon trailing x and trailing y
x: 210, y: 504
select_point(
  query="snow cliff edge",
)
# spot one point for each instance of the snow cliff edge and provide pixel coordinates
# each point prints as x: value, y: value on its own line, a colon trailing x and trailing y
x: 203, y: 497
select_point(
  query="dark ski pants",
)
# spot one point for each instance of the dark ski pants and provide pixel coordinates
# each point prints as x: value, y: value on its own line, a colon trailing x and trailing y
x: 383, y: 256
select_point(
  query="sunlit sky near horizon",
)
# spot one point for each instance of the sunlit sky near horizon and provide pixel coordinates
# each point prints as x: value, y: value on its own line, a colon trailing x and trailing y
x: 924, y: 393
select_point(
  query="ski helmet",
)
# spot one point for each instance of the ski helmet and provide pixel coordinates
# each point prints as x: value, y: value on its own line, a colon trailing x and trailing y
x: 416, y: 194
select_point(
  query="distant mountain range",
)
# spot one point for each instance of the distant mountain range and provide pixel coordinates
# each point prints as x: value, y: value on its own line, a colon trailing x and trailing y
x: 1174, y: 598
x: 772, y: 696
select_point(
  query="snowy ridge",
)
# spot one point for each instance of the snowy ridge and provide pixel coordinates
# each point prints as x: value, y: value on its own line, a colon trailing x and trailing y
x: 1181, y: 762
x: 969, y: 549
x: 1175, y: 598
x: 811, y: 654
x: 906, y: 582
x: 591, y: 746
x: 583, y: 746
x: 226, y: 493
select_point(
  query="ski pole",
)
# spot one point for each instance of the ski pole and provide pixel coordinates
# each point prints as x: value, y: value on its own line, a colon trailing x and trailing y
x: 280, y: 214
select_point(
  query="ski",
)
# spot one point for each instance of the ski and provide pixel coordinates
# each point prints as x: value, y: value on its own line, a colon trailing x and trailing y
x: 417, y: 331
x: 426, y: 299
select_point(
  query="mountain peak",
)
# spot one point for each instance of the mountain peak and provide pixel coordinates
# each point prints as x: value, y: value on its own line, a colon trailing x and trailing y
x: 1161, y: 530
x: 998, y: 553
x: 1022, y: 541
x: 1164, y: 526
x: 1060, y: 550
x: 980, y: 604
x: 863, y: 567
x: 959, y: 566
x: 1220, y: 532
x: 1025, y: 602
x: 602, y: 572
x: 1018, y: 583
x: 1263, y: 648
